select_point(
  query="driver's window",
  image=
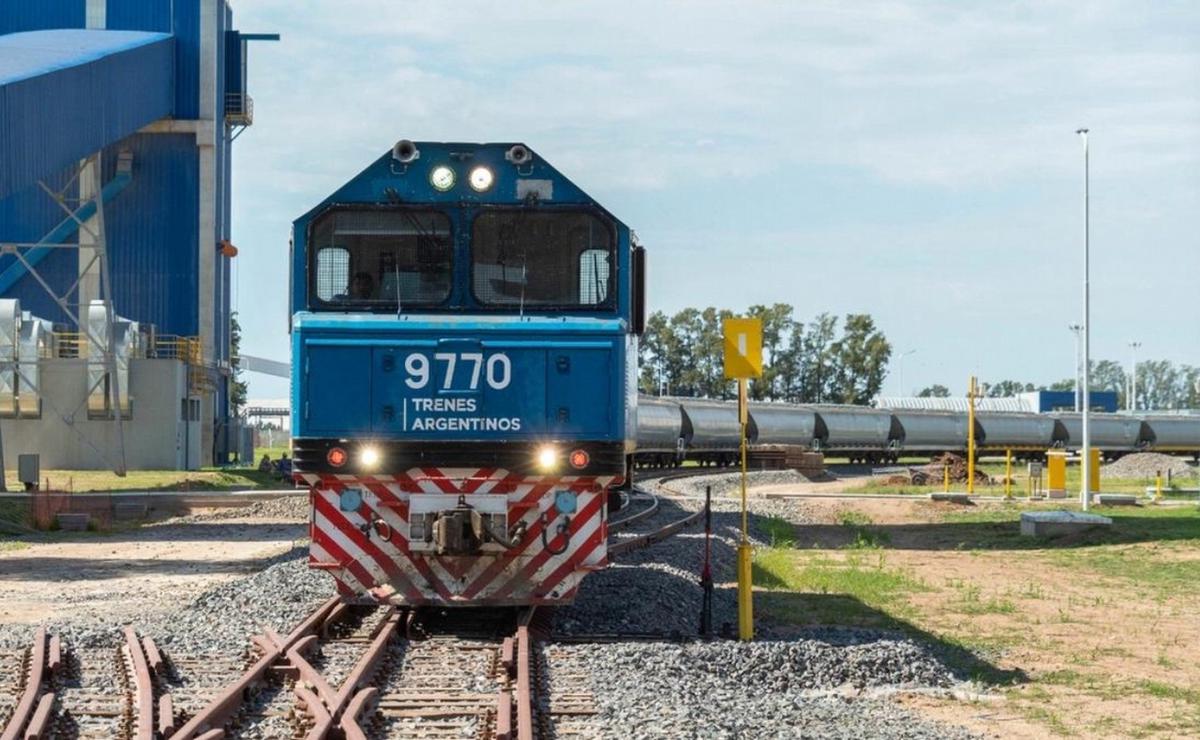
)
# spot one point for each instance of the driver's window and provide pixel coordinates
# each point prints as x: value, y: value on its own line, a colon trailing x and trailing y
x: 333, y: 273
x: 593, y: 276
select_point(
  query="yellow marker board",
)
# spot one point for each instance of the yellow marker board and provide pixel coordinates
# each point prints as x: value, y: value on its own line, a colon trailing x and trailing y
x: 743, y: 348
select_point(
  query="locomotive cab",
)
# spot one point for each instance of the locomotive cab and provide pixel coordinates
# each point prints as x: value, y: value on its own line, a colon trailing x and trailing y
x: 464, y: 339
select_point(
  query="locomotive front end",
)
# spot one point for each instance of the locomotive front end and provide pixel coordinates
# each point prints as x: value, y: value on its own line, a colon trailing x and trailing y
x: 463, y: 360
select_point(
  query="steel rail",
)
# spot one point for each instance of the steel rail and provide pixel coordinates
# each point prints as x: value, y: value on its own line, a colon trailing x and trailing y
x: 30, y: 711
x: 619, y: 524
x: 210, y: 721
x: 143, y: 686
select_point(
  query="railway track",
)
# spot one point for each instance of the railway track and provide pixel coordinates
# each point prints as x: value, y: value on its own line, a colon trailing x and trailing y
x: 108, y: 693
x: 344, y: 671
x: 650, y: 509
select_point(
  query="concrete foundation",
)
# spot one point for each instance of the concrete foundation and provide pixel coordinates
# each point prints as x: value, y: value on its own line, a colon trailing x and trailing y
x: 1116, y: 499
x: 1056, y: 523
x: 157, y: 435
x: 950, y: 497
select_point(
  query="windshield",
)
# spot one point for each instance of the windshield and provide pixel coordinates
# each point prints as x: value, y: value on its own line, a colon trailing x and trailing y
x: 530, y: 259
x: 378, y: 260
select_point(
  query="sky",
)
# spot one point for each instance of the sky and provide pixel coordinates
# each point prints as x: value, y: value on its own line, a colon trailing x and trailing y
x: 914, y: 161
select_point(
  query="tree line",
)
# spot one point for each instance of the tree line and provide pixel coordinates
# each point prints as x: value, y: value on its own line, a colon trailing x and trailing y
x: 825, y: 360
x: 1160, y: 385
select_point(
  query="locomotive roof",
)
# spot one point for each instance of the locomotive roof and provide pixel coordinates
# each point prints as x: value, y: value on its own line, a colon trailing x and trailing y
x: 390, y: 180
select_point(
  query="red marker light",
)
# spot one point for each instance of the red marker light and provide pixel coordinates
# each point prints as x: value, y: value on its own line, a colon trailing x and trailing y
x: 337, y: 457
x: 580, y: 459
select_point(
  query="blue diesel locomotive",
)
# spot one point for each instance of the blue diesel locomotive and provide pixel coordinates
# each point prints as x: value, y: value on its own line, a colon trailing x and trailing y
x: 464, y: 350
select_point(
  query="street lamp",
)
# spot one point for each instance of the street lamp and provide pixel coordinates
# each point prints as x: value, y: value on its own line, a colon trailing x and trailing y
x: 1086, y: 494
x: 1131, y: 403
x: 900, y: 362
x: 1078, y: 331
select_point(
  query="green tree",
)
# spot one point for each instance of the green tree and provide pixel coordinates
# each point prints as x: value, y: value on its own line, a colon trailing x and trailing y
x: 860, y: 360
x: 1107, y: 375
x: 1008, y: 388
x: 934, y: 391
x: 655, y: 354
x: 238, y: 387
x: 777, y: 323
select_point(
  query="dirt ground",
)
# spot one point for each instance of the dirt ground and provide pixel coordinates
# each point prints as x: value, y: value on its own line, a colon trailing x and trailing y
x: 128, y: 572
x: 1097, y: 641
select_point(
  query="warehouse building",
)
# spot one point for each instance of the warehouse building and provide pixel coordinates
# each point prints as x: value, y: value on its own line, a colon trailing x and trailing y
x: 117, y: 123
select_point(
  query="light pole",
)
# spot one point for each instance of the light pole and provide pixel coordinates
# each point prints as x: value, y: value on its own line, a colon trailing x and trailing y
x: 1131, y: 404
x: 900, y: 362
x: 1086, y: 494
x: 1078, y: 331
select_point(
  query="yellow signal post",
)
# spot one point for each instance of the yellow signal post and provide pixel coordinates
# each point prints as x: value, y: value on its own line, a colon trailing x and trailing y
x: 971, y: 436
x: 743, y: 360
x: 1158, y: 487
x: 946, y: 477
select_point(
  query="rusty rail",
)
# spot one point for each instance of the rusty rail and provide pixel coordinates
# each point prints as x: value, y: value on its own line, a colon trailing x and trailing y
x: 44, y: 659
x: 208, y: 723
x: 143, y: 686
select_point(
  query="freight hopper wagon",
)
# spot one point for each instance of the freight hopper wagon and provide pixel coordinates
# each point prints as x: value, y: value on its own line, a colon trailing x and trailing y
x: 464, y: 361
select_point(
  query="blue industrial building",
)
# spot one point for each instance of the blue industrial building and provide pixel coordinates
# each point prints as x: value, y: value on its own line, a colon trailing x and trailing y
x: 157, y: 89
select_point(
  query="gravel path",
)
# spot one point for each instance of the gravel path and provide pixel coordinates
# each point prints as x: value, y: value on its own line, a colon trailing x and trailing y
x: 820, y: 683
x: 824, y: 682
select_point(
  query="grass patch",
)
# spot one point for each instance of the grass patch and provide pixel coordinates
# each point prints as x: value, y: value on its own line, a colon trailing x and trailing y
x: 214, y: 479
x: 856, y: 589
x: 971, y: 601
x: 12, y: 545
x: 1172, y: 692
x: 863, y: 537
x: 780, y: 532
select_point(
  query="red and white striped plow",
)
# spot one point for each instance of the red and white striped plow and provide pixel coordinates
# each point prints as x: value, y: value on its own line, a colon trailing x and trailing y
x: 361, y: 535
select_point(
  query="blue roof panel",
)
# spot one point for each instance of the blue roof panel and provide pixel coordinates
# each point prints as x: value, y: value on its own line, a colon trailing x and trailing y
x: 65, y: 94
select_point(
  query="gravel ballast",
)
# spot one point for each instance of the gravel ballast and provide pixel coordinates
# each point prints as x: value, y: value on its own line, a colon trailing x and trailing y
x: 1148, y: 465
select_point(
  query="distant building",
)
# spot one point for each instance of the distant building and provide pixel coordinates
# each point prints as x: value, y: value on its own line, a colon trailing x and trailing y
x: 1035, y: 401
x: 1043, y: 401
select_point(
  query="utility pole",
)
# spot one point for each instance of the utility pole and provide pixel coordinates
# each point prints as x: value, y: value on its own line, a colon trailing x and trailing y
x: 1131, y: 403
x: 1085, y: 495
x: 1077, y: 329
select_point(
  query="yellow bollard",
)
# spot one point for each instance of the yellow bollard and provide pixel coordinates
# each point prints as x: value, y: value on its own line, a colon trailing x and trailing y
x: 745, y: 574
x: 946, y: 477
x: 1158, y: 487
x: 971, y: 436
x: 1008, y: 475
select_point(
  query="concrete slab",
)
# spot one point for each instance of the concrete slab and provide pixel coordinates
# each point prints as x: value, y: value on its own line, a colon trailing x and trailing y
x: 1054, y: 523
x: 1117, y: 499
x: 950, y: 497
x: 1056, y: 493
x: 73, y: 522
x: 127, y: 510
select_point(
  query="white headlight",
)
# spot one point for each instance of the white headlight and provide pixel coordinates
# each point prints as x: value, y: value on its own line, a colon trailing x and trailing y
x: 481, y: 179
x: 547, y: 458
x: 442, y: 178
x: 369, y: 457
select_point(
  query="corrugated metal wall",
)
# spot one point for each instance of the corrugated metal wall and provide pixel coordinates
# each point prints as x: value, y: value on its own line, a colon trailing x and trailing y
x: 179, y: 17
x: 33, y: 15
x: 128, y: 87
x: 153, y: 259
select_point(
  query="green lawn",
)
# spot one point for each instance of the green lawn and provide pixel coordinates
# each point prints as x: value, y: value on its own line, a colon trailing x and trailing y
x: 212, y: 479
x: 1013, y: 595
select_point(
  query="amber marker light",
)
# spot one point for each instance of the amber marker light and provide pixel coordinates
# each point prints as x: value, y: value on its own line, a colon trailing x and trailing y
x: 579, y: 459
